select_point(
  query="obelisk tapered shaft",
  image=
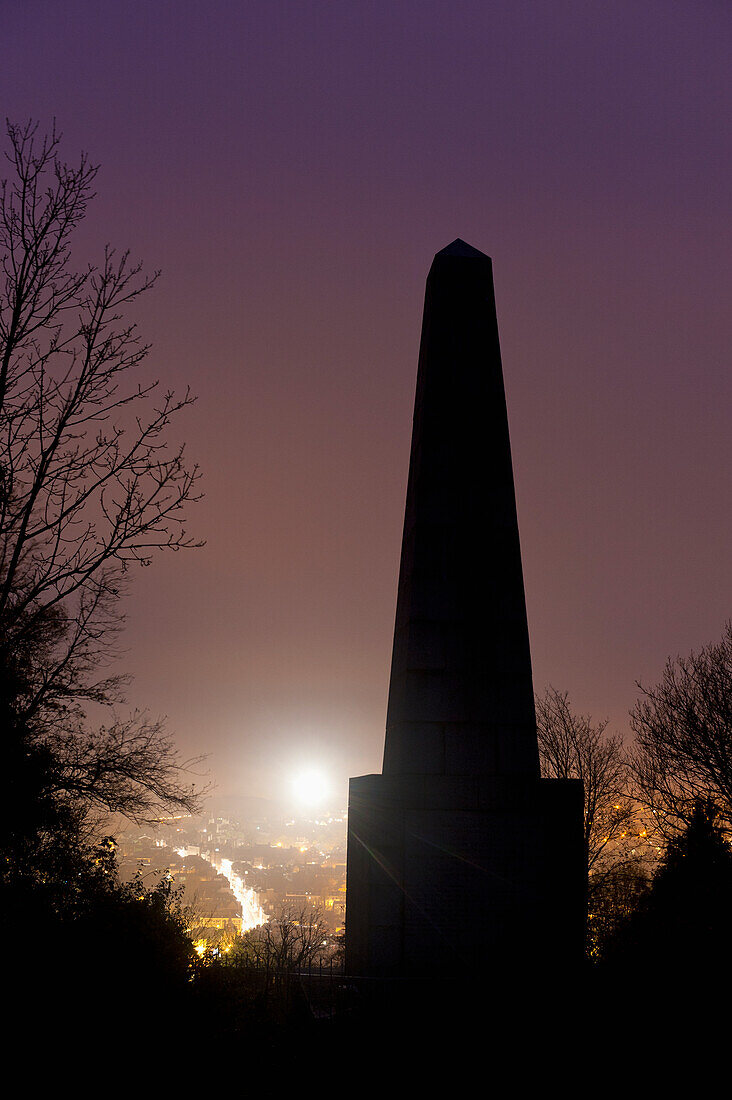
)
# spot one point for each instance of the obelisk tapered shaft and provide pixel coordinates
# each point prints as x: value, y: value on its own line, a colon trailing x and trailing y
x: 461, y: 696
x: 461, y: 859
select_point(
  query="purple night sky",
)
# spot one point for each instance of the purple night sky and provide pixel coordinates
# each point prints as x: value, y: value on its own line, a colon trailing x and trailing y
x: 292, y: 168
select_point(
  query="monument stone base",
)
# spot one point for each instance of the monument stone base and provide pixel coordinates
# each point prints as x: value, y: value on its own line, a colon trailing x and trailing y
x: 453, y: 876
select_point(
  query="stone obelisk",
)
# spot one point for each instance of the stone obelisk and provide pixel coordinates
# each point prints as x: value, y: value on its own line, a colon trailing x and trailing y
x: 459, y: 856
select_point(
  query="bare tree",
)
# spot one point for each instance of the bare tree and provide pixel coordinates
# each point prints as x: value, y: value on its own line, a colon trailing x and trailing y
x: 127, y: 767
x: 571, y: 746
x: 89, y: 482
x: 683, y: 738
x: 289, y: 942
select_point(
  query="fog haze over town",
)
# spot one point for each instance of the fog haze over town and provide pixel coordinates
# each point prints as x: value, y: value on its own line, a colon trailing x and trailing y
x: 243, y: 862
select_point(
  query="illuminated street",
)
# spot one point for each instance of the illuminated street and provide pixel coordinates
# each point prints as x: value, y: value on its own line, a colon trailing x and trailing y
x: 252, y: 914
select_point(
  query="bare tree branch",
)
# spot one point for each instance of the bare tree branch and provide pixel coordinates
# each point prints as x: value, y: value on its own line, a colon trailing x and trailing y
x: 683, y: 738
x: 129, y: 767
x: 91, y: 481
x: 572, y: 747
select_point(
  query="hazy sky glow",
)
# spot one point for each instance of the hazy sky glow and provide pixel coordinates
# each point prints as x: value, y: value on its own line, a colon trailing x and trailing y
x: 292, y: 168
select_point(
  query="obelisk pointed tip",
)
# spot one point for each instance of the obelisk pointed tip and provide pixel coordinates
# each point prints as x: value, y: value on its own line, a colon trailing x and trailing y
x: 461, y: 248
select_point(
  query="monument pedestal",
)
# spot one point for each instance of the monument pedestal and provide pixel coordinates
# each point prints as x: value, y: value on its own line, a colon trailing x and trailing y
x: 457, y: 876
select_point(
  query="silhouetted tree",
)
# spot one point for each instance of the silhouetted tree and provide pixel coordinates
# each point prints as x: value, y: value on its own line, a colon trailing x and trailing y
x: 612, y: 899
x: 287, y: 943
x: 572, y: 746
x: 683, y: 738
x: 87, y: 955
x: 89, y: 486
x: 256, y: 988
x: 679, y: 932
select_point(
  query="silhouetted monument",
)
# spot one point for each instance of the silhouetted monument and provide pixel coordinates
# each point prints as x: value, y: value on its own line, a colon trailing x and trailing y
x: 460, y: 858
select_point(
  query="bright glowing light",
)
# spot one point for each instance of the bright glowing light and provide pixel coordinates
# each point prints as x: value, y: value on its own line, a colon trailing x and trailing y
x: 252, y: 914
x: 311, y: 787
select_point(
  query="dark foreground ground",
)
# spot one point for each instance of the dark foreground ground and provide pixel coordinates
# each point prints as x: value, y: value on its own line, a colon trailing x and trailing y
x: 586, y: 1033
